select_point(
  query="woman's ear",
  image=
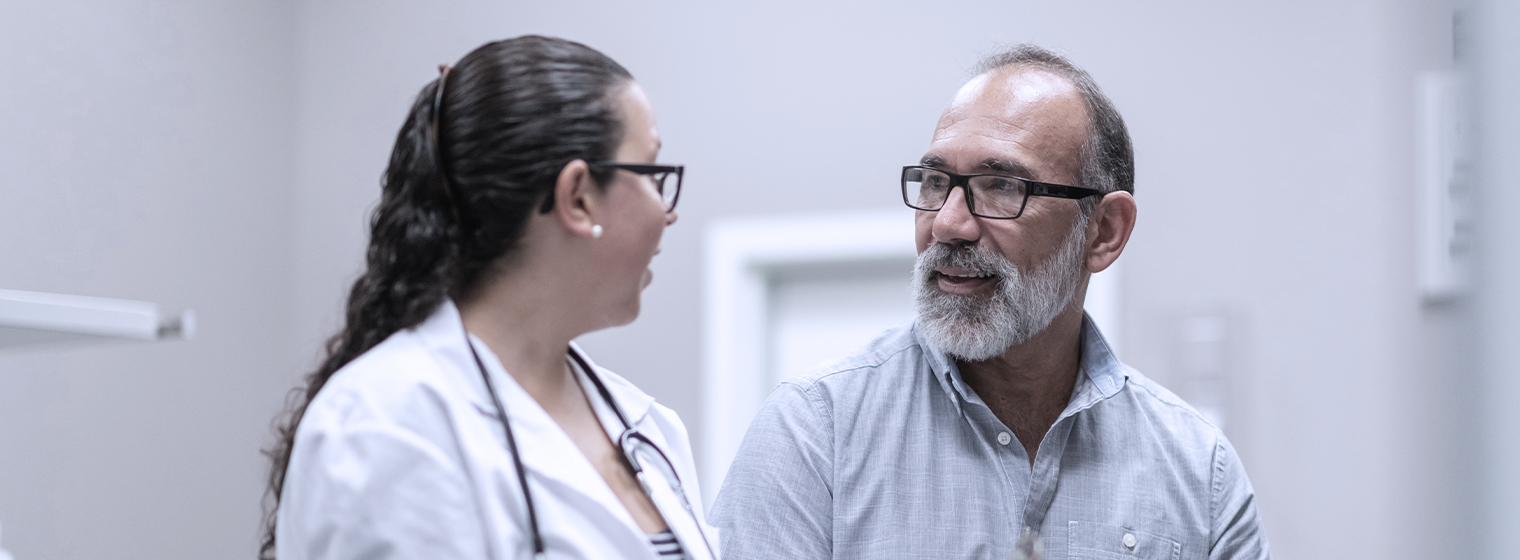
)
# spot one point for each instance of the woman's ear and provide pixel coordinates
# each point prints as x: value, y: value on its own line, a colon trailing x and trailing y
x: 1108, y: 230
x: 576, y: 204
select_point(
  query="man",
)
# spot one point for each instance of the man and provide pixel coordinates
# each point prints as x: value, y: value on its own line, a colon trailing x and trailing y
x: 1001, y: 408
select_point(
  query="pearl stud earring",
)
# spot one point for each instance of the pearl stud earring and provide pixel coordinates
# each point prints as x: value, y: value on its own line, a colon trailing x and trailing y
x: 596, y: 231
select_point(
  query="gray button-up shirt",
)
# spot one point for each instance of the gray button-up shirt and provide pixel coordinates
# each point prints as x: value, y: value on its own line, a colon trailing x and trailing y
x: 889, y: 454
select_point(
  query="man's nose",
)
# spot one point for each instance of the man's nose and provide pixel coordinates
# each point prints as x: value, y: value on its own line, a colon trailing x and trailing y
x: 954, y: 224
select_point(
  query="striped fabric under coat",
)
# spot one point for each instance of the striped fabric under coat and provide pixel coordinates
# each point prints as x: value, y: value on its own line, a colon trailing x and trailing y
x: 666, y: 546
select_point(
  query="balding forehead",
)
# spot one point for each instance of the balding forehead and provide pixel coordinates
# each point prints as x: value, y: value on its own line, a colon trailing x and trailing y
x: 1020, y: 113
x: 1011, y: 87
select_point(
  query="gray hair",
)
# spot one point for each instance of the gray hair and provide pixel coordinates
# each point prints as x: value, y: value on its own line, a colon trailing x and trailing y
x: 1108, y: 160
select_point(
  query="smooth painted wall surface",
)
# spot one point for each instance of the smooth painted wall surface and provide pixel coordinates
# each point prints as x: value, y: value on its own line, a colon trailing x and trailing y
x: 226, y: 156
x: 145, y: 153
x: 1496, y: 69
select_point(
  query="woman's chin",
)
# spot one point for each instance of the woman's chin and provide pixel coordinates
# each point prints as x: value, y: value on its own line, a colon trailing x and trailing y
x: 627, y: 314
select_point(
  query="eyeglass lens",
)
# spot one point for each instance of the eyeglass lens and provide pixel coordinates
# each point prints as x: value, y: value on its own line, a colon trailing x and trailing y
x: 992, y: 196
x: 668, y: 184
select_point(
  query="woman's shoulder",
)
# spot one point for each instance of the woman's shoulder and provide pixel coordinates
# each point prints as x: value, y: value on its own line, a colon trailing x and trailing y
x: 398, y: 381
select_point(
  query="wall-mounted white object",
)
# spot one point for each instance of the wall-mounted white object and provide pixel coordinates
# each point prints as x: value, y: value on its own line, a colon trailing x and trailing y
x: 1203, y: 364
x: 1445, y: 178
x: 29, y: 318
x: 746, y: 291
x: 3, y: 554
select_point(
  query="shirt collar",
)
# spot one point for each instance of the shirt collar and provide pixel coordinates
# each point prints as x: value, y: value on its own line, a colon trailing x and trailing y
x: 944, y: 369
x: 1104, y: 373
x: 1100, y: 374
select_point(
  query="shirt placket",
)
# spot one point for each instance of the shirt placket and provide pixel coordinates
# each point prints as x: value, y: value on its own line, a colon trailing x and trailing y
x: 1045, y: 475
x: 1009, y: 457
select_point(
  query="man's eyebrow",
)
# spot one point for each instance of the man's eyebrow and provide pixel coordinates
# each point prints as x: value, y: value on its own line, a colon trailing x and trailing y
x: 995, y: 165
x: 1006, y: 167
x: 934, y: 162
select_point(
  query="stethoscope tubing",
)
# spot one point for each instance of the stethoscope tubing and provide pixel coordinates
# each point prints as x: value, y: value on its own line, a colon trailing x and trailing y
x: 677, y: 487
x: 522, y: 479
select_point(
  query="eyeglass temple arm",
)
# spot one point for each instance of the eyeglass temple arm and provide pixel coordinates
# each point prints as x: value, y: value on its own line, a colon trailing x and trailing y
x: 1060, y: 191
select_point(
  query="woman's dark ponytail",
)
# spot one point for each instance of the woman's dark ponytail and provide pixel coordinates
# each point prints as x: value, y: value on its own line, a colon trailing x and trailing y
x: 465, y: 174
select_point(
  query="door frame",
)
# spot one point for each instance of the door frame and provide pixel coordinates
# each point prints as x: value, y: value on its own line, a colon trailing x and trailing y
x: 741, y: 255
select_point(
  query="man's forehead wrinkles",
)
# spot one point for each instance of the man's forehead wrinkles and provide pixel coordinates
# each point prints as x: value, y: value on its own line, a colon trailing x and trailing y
x: 994, y: 130
x: 992, y: 145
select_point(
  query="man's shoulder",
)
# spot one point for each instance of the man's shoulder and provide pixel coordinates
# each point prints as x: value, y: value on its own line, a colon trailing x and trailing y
x: 1172, y: 418
x: 892, y: 353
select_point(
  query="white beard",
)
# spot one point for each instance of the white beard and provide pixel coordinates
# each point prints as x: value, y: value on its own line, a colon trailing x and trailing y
x: 977, y: 327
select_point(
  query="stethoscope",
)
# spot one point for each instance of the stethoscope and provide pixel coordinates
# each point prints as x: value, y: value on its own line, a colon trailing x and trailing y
x: 629, y: 443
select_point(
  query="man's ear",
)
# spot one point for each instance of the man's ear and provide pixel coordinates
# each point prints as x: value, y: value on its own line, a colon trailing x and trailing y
x: 1108, y: 230
x: 575, y: 205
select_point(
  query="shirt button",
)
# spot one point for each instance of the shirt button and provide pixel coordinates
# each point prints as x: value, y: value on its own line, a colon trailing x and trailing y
x: 1004, y: 438
x: 1129, y: 540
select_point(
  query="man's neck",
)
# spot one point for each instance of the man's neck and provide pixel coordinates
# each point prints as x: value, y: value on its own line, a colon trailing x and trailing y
x: 1028, y: 386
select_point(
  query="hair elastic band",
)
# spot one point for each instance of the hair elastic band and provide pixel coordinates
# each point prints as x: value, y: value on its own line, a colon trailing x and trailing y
x: 443, y: 173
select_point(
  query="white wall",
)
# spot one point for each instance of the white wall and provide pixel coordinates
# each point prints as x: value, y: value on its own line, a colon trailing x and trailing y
x: 1495, y: 65
x: 145, y: 154
x: 226, y: 158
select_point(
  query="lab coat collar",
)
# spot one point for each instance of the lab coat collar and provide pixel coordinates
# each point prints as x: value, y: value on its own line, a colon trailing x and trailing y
x: 551, y: 458
x: 635, y: 403
x: 444, y: 334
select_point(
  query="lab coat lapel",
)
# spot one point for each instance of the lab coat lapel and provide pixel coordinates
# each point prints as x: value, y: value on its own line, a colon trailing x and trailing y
x: 551, y: 457
x: 677, y: 512
x: 635, y: 403
x: 556, y: 467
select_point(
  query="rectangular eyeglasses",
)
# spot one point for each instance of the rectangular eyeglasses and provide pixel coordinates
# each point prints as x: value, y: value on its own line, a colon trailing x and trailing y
x: 988, y: 195
x: 661, y: 174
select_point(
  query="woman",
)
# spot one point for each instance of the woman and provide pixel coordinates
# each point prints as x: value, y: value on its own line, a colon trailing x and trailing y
x: 453, y: 417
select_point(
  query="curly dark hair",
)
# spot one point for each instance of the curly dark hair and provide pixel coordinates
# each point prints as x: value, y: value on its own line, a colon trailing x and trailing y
x: 459, y: 188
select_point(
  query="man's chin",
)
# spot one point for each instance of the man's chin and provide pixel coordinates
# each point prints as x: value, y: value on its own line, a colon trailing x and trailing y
x: 954, y: 305
x: 962, y: 334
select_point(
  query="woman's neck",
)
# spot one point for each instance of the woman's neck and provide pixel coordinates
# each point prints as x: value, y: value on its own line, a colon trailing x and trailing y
x: 528, y: 330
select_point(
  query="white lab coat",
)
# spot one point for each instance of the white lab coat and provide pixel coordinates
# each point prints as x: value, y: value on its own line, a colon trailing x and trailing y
x: 401, y: 455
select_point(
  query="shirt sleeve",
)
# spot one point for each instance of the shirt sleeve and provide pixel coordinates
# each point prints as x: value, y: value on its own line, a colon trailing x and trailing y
x: 375, y: 491
x: 1236, y: 529
x: 777, y: 500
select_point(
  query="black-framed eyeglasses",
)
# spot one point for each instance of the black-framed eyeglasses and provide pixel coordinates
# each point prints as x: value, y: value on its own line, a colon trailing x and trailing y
x: 988, y: 195
x: 661, y: 175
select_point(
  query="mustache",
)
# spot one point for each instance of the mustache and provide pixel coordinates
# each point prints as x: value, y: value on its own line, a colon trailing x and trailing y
x: 969, y: 257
